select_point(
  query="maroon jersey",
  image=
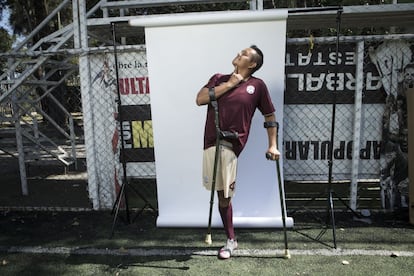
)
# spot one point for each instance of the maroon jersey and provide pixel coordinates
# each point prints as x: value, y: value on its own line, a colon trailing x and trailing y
x: 236, y: 109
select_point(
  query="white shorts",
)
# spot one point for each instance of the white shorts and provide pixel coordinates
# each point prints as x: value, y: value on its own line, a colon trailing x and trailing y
x: 226, y: 170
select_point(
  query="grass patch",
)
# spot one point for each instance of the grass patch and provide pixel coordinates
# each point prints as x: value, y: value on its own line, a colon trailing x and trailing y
x: 93, y: 230
x: 45, y: 264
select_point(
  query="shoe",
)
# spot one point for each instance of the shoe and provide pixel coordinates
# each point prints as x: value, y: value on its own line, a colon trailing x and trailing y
x: 227, y: 250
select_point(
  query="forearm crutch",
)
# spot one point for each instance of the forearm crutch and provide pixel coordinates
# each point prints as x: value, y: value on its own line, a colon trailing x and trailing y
x: 213, y: 102
x: 208, y: 239
x: 229, y: 135
x: 281, y: 196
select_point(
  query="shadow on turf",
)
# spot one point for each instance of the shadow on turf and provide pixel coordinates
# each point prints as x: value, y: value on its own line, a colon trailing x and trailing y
x: 307, y: 222
x: 125, y: 262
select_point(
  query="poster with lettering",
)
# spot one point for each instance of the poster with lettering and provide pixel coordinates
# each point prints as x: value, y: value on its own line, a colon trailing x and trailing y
x: 120, y: 114
x: 314, y: 82
x: 394, y: 62
x: 137, y: 135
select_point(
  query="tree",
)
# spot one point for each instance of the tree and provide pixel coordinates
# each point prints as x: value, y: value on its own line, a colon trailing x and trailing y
x: 6, y: 42
x: 2, y: 6
x: 25, y: 16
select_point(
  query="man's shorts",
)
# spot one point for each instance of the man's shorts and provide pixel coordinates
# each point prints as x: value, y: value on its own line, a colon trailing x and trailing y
x: 226, y: 170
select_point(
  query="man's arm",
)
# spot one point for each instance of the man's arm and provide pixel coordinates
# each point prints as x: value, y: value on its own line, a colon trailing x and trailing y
x: 272, y: 134
x: 204, y: 98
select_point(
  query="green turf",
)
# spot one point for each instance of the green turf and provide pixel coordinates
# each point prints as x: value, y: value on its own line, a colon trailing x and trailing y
x: 27, y: 264
x: 94, y: 229
x: 387, y: 232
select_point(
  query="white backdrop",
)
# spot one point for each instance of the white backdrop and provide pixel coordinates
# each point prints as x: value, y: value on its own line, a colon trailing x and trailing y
x: 183, y: 52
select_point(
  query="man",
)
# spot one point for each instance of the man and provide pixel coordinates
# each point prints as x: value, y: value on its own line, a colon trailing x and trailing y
x: 237, y: 95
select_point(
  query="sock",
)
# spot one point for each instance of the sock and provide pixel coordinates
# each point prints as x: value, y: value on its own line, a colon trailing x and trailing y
x: 226, y: 214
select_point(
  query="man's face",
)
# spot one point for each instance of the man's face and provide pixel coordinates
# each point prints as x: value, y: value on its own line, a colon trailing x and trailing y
x: 244, y: 59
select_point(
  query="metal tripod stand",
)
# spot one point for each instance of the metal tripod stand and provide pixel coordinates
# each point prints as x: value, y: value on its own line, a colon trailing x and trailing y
x: 122, y: 194
x: 330, y: 193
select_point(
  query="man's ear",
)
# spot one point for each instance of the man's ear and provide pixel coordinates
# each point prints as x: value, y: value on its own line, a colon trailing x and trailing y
x: 252, y: 65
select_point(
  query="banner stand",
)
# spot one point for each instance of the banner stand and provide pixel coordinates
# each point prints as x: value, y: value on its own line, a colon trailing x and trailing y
x: 122, y: 198
x: 330, y: 193
x: 178, y: 122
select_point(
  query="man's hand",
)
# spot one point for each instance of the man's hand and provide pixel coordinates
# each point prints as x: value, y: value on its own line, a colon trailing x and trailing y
x: 272, y: 153
x: 203, y: 95
x: 235, y: 78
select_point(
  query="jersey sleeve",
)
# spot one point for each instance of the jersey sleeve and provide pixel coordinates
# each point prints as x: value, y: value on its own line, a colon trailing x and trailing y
x: 265, y: 102
x: 212, y: 81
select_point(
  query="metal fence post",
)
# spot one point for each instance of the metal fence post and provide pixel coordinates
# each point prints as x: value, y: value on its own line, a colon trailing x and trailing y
x: 357, y: 124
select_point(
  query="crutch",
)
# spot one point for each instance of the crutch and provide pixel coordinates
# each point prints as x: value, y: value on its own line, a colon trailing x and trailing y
x: 282, y: 197
x: 213, y: 101
x: 219, y: 135
x: 208, y: 239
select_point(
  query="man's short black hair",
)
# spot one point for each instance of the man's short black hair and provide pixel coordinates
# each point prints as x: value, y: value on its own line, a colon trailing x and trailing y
x: 258, y: 58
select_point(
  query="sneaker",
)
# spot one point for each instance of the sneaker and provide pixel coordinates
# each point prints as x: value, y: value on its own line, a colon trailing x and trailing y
x: 227, y: 250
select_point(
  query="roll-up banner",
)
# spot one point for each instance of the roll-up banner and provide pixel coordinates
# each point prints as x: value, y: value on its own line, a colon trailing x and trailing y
x: 183, y: 52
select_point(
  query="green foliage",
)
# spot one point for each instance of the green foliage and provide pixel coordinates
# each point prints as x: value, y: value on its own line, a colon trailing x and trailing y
x: 6, y: 41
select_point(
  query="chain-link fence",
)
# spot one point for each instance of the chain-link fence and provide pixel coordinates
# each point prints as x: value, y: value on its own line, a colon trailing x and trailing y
x: 41, y: 134
x: 95, y: 103
x: 368, y: 98
x: 119, y: 104
x: 358, y: 99
x: 317, y: 90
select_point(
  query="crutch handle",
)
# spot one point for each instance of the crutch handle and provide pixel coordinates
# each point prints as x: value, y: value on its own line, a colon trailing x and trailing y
x: 268, y: 155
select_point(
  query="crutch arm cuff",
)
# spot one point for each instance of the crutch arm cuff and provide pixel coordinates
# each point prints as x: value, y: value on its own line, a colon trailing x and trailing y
x: 211, y: 94
x: 271, y: 124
